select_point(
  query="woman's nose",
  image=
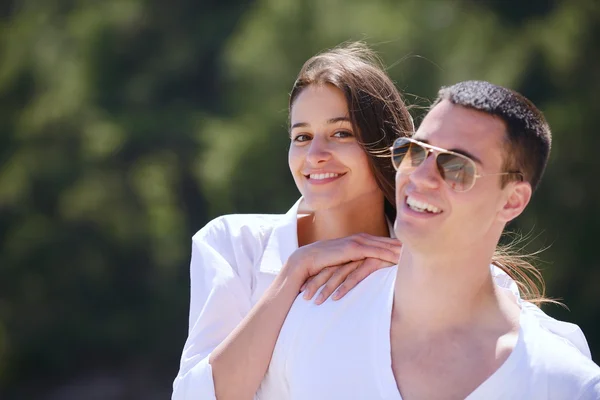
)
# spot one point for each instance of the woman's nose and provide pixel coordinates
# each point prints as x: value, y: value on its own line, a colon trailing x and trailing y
x: 318, y: 151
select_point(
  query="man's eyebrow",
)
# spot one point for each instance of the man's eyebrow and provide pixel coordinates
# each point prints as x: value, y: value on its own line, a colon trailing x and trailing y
x: 329, y: 121
x: 459, y: 151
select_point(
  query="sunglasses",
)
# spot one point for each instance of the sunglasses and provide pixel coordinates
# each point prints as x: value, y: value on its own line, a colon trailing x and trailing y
x: 457, y: 170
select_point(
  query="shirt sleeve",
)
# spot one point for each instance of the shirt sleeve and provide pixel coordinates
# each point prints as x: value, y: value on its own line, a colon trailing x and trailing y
x: 571, y: 332
x: 219, y: 300
x: 592, y: 390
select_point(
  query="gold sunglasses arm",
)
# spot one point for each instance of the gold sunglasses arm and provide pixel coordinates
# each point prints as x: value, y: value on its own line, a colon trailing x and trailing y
x: 520, y: 174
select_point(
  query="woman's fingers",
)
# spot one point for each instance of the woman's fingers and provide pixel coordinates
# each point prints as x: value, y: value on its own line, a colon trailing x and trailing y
x: 313, y: 283
x: 356, y: 276
x: 343, y: 278
x: 335, y: 280
x: 393, y: 247
x: 310, y: 260
x: 352, y: 248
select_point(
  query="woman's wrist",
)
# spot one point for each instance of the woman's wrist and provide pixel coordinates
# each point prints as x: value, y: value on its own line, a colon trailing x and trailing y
x: 295, y: 270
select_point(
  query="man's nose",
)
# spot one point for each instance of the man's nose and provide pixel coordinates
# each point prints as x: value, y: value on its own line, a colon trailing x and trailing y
x: 427, y: 174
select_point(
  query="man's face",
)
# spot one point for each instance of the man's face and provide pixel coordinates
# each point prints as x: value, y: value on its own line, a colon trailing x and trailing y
x: 431, y: 215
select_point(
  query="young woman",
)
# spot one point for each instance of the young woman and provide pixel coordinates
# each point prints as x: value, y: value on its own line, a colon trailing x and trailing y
x: 247, y: 270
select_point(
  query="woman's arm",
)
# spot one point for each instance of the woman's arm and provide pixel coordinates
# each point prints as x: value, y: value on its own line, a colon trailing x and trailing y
x: 240, y: 362
x: 219, y: 300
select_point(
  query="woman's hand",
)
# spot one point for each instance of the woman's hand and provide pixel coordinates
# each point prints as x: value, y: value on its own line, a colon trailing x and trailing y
x: 325, y: 258
x: 343, y: 277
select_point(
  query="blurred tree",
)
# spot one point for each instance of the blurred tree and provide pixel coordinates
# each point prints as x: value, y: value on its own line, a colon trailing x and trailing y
x: 100, y: 106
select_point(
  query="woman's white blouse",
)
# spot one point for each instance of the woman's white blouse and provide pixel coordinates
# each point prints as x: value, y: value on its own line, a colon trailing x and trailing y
x: 234, y: 259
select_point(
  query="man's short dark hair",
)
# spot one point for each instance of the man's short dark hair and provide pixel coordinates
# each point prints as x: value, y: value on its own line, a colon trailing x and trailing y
x: 528, y: 133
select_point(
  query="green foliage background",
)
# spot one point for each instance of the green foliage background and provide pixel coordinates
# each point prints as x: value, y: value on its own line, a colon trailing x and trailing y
x: 125, y: 125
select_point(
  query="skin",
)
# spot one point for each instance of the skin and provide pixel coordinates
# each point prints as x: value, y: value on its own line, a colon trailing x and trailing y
x: 462, y: 328
x: 337, y: 235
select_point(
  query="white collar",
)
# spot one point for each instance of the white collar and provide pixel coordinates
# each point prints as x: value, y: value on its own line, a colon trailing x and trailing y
x: 282, y: 242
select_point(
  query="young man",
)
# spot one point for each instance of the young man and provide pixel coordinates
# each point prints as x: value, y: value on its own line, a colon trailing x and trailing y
x: 435, y: 326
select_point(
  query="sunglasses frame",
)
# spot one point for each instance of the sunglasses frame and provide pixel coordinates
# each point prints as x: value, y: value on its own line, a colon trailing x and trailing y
x: 436, y: 152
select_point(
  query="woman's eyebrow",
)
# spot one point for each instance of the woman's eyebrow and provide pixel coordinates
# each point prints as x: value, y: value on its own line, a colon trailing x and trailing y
x: 338, y: 119
x: 329, y: 121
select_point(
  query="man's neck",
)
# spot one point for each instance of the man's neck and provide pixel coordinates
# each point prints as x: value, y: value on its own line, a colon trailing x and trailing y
x: 345, y: 220
x: 451, y: 327
x: 438, y: 291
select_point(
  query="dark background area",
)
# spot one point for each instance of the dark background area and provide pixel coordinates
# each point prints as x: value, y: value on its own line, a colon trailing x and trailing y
x: 126, y: 125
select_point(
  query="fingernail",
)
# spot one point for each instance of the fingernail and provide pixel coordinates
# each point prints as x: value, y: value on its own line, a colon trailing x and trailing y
x: 336, y: 295
x: 305, y: 295
x: 320, y: 298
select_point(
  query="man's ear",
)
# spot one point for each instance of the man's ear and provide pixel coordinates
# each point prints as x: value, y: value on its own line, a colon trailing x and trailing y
x: 517, y: 197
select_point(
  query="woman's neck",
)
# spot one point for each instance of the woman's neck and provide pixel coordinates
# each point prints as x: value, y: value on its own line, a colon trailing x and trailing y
x: 342, y: 221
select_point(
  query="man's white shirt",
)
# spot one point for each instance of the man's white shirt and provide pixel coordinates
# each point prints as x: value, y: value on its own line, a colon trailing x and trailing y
x: 341, y: 350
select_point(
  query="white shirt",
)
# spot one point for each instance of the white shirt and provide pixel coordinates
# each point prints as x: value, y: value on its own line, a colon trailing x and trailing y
x: 234, y: 259
x: 341, y: 350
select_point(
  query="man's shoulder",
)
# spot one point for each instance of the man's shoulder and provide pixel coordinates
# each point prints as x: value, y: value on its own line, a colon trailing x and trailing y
x: 368, y: 299
x: 557, y: 360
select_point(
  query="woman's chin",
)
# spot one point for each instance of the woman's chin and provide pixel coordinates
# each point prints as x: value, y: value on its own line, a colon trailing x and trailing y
x: 317, y: 203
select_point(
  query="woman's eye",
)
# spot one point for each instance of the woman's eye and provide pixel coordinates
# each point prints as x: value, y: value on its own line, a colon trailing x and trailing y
x: 301, y: 138
x: 342, y: 134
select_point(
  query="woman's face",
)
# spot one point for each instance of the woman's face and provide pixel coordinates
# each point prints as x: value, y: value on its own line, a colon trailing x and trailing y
x: 329, y: 167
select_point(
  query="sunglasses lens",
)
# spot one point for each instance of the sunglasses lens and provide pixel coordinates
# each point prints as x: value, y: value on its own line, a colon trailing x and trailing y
x: 458, y: 172
x: 406, y: 156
